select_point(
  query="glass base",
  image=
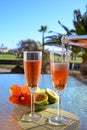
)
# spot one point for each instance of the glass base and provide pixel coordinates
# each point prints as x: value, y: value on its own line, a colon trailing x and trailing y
x: 31, y: 117
x: 58, y: 120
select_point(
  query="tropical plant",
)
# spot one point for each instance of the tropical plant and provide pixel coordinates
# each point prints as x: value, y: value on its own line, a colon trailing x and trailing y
x: 43, y: 30
x: 53, y: 39
x: 80, y: 22
x: 80, y: 28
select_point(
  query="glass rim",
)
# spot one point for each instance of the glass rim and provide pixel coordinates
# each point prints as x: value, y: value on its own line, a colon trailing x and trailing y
x: 28, y: 54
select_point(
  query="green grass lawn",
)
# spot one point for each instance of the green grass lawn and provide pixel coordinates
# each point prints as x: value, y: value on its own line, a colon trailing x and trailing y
x: 77, y: 60
x: 14, y: 57
x: 7, y: 66
x: 9, y: 57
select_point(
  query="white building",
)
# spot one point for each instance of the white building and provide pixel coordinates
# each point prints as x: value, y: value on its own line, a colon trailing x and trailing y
x: 4, y: 50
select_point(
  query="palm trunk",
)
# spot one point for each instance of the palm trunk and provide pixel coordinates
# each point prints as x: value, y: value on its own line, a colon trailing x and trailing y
x: 43, y: 60
x: 43, y: 41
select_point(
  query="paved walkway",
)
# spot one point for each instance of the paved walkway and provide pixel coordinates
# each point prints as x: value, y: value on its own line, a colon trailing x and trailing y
x: 79, y: 76
x: 5, y: 70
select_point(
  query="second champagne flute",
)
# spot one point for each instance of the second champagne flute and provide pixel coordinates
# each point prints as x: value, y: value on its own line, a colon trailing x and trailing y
x: 59, y: 72
x: 32, y: 71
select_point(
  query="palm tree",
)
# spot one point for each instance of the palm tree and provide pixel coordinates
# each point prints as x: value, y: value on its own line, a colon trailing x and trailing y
x: 43, y: 30
x: 80, y: 22
x: 80, y: 28
x: 53, y: 40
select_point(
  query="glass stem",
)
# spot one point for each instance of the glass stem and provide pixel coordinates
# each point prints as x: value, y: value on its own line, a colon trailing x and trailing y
x: 59, y: 107
x: 32, y: 103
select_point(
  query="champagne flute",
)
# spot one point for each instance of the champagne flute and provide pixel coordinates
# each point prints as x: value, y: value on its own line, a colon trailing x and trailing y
x: 32, y: 71
x: 59, y: 73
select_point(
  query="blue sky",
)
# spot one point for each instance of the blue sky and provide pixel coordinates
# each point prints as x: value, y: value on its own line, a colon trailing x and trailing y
x: 21, y: 19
